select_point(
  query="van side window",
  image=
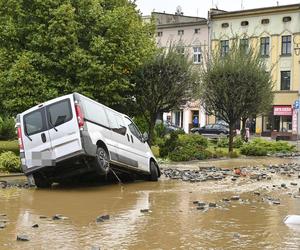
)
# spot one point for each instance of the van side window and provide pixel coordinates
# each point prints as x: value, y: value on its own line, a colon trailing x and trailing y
x: 59, y: 113
x: 134, y: 129
x: 116, y: 122
x: 95, y: 113
x: 34, y: 122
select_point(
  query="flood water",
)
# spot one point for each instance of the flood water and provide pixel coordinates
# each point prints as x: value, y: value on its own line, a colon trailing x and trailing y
x: 173, y: 222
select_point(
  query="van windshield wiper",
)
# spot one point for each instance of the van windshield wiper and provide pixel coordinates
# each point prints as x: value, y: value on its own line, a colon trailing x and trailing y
x: 28, y: 137
x: 51, y: 122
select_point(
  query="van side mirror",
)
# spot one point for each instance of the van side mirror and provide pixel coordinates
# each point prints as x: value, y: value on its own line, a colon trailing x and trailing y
x: 145, y: 137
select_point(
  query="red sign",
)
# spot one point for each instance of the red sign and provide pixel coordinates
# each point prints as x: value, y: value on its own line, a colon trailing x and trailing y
x: 283, y: 110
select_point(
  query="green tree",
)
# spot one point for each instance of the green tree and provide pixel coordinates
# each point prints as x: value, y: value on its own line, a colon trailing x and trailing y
x: 163, y: 83
x: 236, y: 86
x: 53, y: 47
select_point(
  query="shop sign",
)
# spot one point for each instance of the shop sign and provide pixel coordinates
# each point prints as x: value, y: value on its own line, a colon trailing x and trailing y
x: 283, y: 110
x: 294, y: 122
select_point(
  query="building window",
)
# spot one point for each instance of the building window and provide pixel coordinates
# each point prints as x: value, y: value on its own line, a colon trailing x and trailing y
x: 180, y: 32
x: 224, y: 47
x: 225, y: 25
x: 285, y: 80
x: 197, y: 55
x: 264, y: 46
x: 244, y: 44
x: 180, y: 50
x: 286, y: 19
x: 159, y: 33
x: 244, y: 23
x: 197, y: 31
x: 286, y: 45
x: 265, y: 21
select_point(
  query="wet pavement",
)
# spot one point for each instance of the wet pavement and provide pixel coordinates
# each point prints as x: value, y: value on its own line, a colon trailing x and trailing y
x: 246, y: 213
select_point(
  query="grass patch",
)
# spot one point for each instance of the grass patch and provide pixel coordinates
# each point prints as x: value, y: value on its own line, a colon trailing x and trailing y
x: 9, y: 146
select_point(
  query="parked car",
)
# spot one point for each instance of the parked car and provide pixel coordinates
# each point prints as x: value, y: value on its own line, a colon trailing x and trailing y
x: 171, y: 127
x: 211, y: 129
x: 73, y: 135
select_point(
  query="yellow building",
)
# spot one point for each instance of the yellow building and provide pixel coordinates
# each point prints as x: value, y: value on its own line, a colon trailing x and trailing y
x: 275, y: 33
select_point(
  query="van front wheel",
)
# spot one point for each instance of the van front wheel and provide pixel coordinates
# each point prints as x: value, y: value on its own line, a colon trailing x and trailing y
x: 153, y: 172
x: 102, y: 161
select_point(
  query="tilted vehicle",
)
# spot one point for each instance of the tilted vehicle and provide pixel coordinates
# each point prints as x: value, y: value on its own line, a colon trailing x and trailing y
x: 74, y: 135
x: 211, y: 129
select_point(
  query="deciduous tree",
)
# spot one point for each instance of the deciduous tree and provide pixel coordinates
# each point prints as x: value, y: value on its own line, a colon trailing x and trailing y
x: 53, y: 47
x: 163, y: 83
x: 235, y: 86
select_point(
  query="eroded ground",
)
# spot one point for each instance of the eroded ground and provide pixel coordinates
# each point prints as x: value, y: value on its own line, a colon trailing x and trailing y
x: 174, y: 221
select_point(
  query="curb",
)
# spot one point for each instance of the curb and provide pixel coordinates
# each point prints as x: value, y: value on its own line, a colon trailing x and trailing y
x: 11, y: 175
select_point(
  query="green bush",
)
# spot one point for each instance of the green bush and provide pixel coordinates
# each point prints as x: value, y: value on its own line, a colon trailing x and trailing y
x: 192, y: 139
x: 223, y: 142
x: 9, y: 162
x: 238, y: 142
x: 7, y: 128
x: 169, y: 145
x: 188, y: 152
x: 185, y: 147
x: 233, y: 154
x: 260, y: 147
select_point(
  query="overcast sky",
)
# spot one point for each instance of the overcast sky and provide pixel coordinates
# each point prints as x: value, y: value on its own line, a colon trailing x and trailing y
x: 200, y: 7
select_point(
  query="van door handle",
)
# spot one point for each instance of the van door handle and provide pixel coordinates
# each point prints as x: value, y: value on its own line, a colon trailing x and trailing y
x: 43, y: 136
x: 131, y: 139
x: 128, y: 138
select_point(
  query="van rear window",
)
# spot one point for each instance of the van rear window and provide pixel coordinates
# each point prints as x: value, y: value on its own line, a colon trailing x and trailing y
x: 59, y: 113
x: 34, y: 122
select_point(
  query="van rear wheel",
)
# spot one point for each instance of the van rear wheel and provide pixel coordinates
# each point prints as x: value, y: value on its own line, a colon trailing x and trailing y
x: 153, y: 172
x: 102, y: 161
x: 41, y: 181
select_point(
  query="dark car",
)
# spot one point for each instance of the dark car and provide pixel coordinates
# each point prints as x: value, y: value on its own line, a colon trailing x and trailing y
x: 211, y: 129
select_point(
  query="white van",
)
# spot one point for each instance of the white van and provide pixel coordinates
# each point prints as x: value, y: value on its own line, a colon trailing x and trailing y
x: 74, y: 135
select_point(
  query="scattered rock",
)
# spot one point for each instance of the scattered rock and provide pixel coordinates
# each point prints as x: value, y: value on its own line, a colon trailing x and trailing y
x: 145, y: 210
x: 212, y: 204
x: 102, y: 218
x: 95, y: 248
x: 294, y: 183
x: 200, y: 207
x: 236, y: 235
x: 43, y: 217
x: 283, y: 185
x: 256, y: 193
x: 35, y: 225
x: 235, y: 198
x: 276, y: 202
x: 233, y: 179
x: 2, y: 225
x: 57, y: 217
x: 22, y: 238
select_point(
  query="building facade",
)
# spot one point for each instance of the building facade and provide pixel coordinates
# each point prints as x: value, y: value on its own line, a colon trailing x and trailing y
x: 274, y: 32
x: 190, y: 36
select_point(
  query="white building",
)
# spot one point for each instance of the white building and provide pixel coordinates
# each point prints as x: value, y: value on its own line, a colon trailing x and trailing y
x: 190, y: 35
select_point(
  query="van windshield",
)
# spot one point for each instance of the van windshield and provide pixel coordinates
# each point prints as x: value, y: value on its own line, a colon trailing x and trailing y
x: 34, y: 122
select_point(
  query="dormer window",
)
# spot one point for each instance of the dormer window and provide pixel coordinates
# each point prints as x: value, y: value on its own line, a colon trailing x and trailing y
x: 265, y: 21
x: 225, y: 25
x: 244, y: 23
x: 197, y: 31
x: 180, y: 32
x: 286, y: 19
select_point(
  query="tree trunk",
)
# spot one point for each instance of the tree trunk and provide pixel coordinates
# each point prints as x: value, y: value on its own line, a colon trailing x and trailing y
x: 230, y: 143
x: 243, y: 131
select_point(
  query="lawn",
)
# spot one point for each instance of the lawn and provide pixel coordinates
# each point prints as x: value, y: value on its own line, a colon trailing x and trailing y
x: 9, y: 146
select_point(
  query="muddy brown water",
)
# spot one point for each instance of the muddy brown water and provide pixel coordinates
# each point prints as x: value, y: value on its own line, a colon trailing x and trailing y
x: 173, y: 221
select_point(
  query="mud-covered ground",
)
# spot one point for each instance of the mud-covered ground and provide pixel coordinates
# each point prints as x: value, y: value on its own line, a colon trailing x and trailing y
x: 231, y: 204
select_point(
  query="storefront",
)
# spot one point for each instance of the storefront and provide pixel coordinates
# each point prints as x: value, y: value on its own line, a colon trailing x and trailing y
x: 280, y: 123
